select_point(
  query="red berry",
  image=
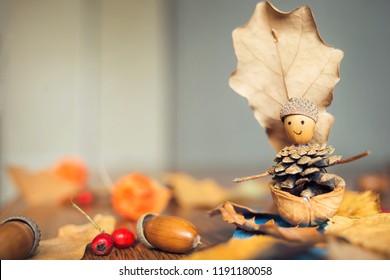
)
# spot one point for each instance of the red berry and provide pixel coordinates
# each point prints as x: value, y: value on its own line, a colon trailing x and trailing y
x: 123, y: 238
x: 102, y: 244
x: 84, y: 197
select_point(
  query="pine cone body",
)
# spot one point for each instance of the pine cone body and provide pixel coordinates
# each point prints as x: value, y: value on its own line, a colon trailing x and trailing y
x: 303, y: 192
x: 300, y: 170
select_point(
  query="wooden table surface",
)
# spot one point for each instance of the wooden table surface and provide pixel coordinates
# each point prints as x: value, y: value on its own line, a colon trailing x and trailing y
x: 50, y: 218
x: 213, y: 230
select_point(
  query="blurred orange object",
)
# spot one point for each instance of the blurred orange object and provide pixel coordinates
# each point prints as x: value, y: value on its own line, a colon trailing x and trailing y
x: 136, y: 194
x: 73, y: 170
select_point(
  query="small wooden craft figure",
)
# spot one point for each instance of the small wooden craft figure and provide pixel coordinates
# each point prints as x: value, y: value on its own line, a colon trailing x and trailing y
x: 287, y: 74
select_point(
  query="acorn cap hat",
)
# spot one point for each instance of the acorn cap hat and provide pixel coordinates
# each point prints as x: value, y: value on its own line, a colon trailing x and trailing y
x: 299, y: 106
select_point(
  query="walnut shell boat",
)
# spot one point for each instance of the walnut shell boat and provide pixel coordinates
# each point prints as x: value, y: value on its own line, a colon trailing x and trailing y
x: 305, y: 211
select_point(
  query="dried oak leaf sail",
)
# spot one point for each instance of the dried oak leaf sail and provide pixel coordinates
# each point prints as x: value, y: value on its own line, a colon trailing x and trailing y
x: 280, y: 56
x: 71, y: 241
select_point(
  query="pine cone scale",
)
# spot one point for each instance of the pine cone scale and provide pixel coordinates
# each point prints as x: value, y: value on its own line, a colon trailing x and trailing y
x: 302, y: 167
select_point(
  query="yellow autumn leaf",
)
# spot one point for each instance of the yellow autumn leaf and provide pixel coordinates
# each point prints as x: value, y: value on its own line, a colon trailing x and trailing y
x: 255, y: 247
x: 359, y: 204
x: 71, y: 241
x: 340, y: 249
x: 371, y: 232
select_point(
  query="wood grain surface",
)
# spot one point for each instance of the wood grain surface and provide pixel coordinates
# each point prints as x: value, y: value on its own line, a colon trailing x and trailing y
x: 50, y: 218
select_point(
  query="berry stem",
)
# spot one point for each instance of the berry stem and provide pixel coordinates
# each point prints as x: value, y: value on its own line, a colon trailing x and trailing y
x: 86, y: 215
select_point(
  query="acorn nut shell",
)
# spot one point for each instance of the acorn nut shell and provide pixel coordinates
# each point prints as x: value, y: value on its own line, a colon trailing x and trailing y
x: 168, y: 233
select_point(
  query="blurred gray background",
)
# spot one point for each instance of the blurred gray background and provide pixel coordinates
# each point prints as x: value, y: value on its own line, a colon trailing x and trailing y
x: 215, y: 123
x: 143, y: 85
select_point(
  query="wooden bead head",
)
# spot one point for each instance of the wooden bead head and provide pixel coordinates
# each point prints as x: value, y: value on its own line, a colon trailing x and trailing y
x: 299, y: 117
x: 299, y: 128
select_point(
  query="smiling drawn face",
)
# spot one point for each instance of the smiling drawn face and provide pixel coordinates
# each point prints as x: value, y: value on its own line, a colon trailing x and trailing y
x: 299, y: 128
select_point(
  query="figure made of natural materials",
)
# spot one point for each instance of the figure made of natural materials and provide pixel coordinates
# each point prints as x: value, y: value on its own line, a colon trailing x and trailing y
x: 287, y: 74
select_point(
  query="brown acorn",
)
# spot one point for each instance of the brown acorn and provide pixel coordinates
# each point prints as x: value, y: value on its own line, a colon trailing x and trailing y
x: 168, y: 233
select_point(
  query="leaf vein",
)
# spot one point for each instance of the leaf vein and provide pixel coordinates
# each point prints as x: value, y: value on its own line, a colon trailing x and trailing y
x: 318, y: 76
x: 279, y: 58
x: 257, y: 89
x: 299, y: 45
x: 258, y: 58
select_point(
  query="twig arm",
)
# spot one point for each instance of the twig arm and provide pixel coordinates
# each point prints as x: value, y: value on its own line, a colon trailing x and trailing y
x: 365, y: 153
x: 253, y: 177
x: 265, y: 174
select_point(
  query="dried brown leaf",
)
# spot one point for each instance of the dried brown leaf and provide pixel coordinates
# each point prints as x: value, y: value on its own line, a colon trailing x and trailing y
x: 42, y: 187
x: 370, y: 232
x: 235, y: 214
x: 207, y: 193
x: 359, y: 204
x: 192, y: 193
x: 255, y: 247
x: 71, y: 241
x: 229, y: 213
x: 280, y: 56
